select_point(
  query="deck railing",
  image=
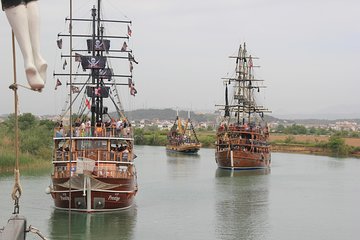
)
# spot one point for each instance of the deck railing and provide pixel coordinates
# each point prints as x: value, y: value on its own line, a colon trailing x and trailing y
x: 96, y: 155
x: 93, y: 132
x: 105, y: 172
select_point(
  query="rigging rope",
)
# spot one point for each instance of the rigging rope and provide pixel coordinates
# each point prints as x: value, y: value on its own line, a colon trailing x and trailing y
x: 16, y: 193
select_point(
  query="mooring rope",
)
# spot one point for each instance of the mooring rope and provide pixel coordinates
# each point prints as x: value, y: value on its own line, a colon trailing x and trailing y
x: 17, y: 190
x: 36, y: 231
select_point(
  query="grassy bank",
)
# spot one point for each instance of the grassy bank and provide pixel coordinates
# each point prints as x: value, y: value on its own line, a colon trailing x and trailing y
x: 35, y: 143
x: 26, y: 161
x: 311, y: 144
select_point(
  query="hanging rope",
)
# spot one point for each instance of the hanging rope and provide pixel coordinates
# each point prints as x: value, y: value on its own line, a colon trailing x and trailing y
x: 36, y: 231
x: 17, y: 190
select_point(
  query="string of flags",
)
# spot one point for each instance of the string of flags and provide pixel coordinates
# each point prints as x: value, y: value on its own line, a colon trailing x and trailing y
x: 78, y: 58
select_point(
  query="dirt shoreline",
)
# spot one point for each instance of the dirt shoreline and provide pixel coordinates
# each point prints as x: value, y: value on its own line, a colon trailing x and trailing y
x: 354, y: 142
x: 298, y: 148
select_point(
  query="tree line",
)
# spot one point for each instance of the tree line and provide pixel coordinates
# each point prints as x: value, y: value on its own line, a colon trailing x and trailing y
x: 36, y: 143
x: 296, y: 129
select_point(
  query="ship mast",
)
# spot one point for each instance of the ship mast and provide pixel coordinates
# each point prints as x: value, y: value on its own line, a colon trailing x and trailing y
x: 96, y: 88
x: 244, y: 105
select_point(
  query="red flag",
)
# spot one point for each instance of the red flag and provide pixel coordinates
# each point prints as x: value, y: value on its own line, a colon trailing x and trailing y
x: 129, y: 31
x: 87, y: 103
x: 250, y: 61
x: 58, y: 83
x: 133, y: 91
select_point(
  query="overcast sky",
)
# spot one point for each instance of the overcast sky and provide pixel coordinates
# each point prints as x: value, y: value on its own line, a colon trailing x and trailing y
x: 308, y: 52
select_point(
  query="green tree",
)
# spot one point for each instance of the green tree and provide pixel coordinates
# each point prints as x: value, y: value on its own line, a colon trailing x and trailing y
x: 337, y: 145
x: 139, y: 136
x: 280, y: 128
x: 296, y: 129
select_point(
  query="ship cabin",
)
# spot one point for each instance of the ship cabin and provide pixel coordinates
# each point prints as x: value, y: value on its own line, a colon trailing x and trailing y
x: 247, y: 137
x: 104, y: 152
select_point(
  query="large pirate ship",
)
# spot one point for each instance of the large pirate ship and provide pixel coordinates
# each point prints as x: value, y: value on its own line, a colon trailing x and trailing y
x: 182, y: 137
x: 93, y: 158
x: 242, y: 136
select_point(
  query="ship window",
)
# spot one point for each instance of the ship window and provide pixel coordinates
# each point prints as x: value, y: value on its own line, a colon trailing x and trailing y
x: 91, y: 144
x: 62, y: 145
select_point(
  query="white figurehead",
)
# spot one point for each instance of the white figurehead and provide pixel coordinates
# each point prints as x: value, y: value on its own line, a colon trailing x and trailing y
x: 23, y: 16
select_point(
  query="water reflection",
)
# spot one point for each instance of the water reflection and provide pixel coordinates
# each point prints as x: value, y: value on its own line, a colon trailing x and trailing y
x: 242, y: 204
x: 182, y: 165
x: 238, y: 173
x: 104, y: 226
x: 177, y: 155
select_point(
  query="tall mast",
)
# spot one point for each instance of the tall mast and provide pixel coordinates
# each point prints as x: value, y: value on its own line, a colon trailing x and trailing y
x: 93, y: 77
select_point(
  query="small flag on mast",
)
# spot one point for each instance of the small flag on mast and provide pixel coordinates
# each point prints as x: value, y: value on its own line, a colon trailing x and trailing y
x: 132, y: 59
x: 131, y: 67
x: 129, y: 31
x: 250, y: 62
x: 133, y: 91
x: 87, y: 103
x: 59, y: 43
x: 75, y: 89
x: 58, y: 83
x: 124, y: 47
x: 78, y: 57
x: 65, y: 64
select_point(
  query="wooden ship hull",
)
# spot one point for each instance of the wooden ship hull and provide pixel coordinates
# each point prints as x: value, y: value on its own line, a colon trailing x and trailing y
x: 92, y: 198
x: 97, y: 179
x: 184, y: 148
x: 237, y: 159
x: 239, y: 147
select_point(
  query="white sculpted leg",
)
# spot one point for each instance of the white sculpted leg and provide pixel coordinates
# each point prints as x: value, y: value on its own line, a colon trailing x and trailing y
x: 34, y: 30
x: 18, y: 19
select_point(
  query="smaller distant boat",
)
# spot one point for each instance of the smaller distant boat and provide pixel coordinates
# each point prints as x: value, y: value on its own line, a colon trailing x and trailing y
x: 182, y: 137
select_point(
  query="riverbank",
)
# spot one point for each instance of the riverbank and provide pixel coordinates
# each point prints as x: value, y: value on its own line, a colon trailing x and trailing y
x: 314, y: 144
x: 305, y: 144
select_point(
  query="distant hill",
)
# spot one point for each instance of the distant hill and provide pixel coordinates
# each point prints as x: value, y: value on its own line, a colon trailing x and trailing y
x: 168, y: 114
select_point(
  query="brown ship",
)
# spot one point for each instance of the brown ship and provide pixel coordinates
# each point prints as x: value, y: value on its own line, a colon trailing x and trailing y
x: 242, y: 136
x: 182, y: 137
x: 93, y: 157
